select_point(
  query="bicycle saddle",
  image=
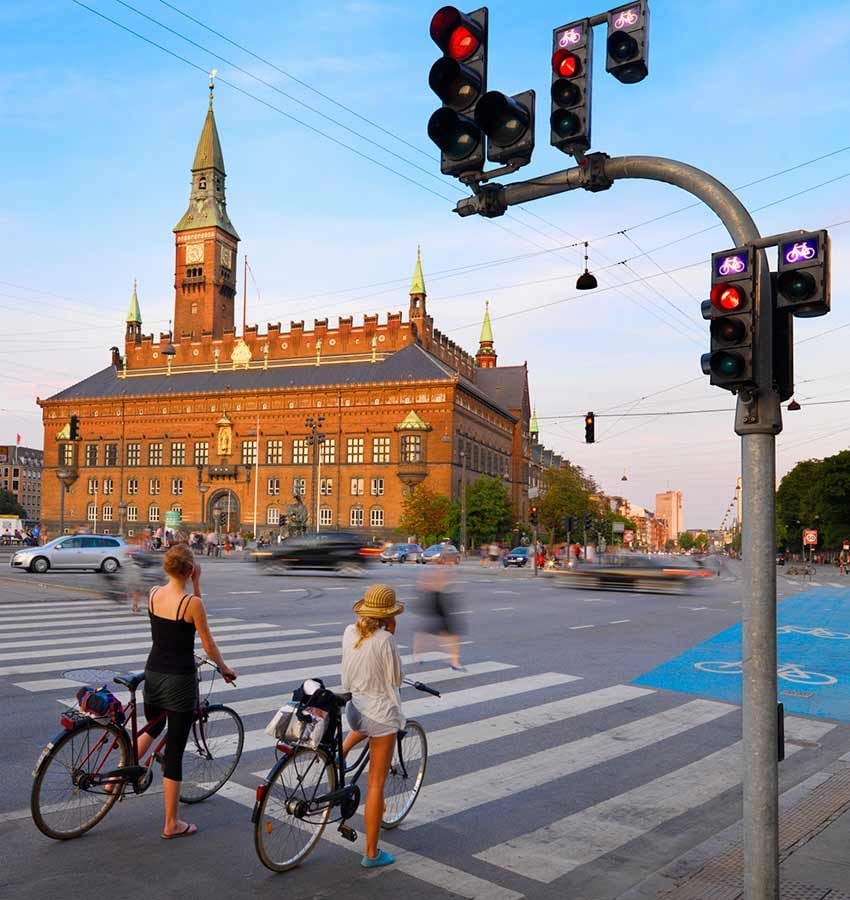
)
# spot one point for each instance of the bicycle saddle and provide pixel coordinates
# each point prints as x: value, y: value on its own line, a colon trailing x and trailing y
x: 130, y: 681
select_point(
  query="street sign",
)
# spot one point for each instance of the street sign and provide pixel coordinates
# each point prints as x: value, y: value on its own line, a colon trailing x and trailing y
x: 618, y: 527
x: 810, y: 537
x: 629, y: 536
x: 533, y: 493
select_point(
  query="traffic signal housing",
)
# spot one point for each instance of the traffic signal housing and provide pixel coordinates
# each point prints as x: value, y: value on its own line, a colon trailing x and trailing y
x: 508, y: 123
x: 589, y: 428
x: 627, y: 47
x: 459, y: 79
x: 532, y: 515
x: 74, y: 428
x: 572, y: 63
x: 731, y: 311
x: 802, y: 281
x: 588, y: 521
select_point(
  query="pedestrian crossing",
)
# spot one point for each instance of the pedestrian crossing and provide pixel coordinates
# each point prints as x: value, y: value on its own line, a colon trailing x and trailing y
x: 510, y: 748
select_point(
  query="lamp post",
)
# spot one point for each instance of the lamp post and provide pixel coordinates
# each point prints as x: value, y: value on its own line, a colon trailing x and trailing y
x: 315, y: 438
x: 122, y: 512
x: 202, y: 491
x: 463, y: 535
x: 67, y: 476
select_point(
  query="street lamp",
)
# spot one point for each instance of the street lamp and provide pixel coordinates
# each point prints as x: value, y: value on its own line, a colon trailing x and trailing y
x: 122, y: 512
x: 315, y: 439
x: 67, y: 476
x: 202, y: 490
x: 463, y: 536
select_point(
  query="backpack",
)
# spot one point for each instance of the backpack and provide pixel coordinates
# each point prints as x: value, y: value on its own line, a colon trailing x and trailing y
x: 100, y: 703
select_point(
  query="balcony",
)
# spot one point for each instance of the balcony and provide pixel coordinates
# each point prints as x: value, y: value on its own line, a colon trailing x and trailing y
x: 412, y: 473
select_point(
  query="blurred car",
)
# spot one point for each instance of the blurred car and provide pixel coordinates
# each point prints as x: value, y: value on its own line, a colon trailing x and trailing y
x: 780, y: 559
x: 373, y: 549
x: 442, y: 552
x: 518, y: 557
x: 100, y: 552
x: 635, y: 572
x: 401, y: 553
x: 336, y: 551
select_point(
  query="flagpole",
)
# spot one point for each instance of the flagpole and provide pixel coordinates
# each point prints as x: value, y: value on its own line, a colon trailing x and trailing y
x: 257, y: 477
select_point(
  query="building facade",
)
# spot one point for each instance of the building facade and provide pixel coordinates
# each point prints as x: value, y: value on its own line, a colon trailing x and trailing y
x: 670, y: 507
x: 205, y: 425
x: 20, y: 474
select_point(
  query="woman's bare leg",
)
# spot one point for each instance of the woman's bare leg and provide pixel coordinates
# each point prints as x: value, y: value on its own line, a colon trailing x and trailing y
x: 380, y: 757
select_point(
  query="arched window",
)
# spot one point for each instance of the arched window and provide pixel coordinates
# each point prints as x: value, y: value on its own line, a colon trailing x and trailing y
x: 326, y: 516
x: 376, y: 517
x: 107, y: 513
x: 132, y: 513
x: 272, y: 516
x: 202, y: 183
x: 356, y: 518
x: 153, y: 513
x: 91, y: 513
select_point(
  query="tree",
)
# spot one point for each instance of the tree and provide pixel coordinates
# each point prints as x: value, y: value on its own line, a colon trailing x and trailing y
x: 489, y: 514
x: 425, y: 513
x: 701, y: 542
x: 9, y: 505
x: 566, y: 493
x: 686, y: 541
x: 795, y: 503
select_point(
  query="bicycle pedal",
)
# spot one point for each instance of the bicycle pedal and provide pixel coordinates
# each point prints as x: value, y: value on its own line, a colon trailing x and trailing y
x: 347, y: 832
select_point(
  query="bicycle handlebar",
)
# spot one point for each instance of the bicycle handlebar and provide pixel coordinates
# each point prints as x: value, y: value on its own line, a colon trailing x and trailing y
x: 206, y: 661
x: 422, y: 687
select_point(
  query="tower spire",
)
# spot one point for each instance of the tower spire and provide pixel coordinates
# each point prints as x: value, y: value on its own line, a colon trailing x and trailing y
x: 486, y: 356
x: 134, y: 317
x: 533, y: 428
x: 417, y: 283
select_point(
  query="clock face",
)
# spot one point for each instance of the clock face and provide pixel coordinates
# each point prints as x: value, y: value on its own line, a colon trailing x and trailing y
x: 194, y: 253
x: 226, y: 257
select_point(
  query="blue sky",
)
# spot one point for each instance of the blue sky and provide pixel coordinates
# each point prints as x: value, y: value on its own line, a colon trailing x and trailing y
x: 99, y: 129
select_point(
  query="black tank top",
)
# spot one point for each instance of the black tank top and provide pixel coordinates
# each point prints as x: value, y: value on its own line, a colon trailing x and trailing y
x: 173, y: 650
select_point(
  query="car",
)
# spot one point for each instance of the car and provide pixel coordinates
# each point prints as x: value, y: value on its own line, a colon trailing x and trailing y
x: 336, y: 551
x: 101, y: 552
x: 518, y: 557
x: 445, y: 552
x: 780, y: 559
x: 635, y: 572
x: 401, y: 553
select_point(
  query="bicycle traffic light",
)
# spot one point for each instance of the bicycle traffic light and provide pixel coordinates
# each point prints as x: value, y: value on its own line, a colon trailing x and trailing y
x: 74, y: 428
x: 628, y: 42
x: 802, y: 283
x: 589, y: 428
x: 572, y: 61
x: 508, y: 123
x: 532, y: 515
x: 731, y: 310
x: 459, y: 79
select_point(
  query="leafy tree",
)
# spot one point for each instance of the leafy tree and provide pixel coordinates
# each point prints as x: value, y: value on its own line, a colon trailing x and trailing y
x: 566, y: 493
x: 670, y: 545
x: 701, y: 542
x: 425, y: 513
x: 489, y: 515
x: 796, y: 506
x: 9, y: 505
x: 686, y: 541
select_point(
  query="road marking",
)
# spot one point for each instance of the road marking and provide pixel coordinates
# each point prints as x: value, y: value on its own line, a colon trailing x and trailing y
x: 292, y: 590
x: 579, y: 627
x: 835, y: 584
x: 54, y: 604
x: 68, y: 620
x: 461, y: 612
x: 228, y: 608
x: 815, y: 584
x: 515, y: 593
x: 320, y: 624
x: 448, y: 798
x: 693, y: 608
x: 592, y: 599
x: 235, y: 593
x: 619, y: 621
x: 556, y: 849
x: 338, y: 589
x: 501, y: 608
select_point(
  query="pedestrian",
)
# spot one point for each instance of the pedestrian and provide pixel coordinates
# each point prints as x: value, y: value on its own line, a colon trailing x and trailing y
x: 842, y: 562
x: 371, y: 672
x: 436, y: 609
x: 540, y: 558
x: 493, y: 552
x: 171, y: 684
x: 482, y: 556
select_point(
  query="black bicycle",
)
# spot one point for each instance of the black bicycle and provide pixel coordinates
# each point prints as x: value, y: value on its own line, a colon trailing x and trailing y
x: 295, y: 801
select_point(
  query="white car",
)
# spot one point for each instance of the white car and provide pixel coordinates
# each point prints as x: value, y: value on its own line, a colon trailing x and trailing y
x: 101, y: 552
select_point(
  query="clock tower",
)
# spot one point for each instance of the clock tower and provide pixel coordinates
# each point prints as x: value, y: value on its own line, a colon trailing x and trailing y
x: 205, y: 246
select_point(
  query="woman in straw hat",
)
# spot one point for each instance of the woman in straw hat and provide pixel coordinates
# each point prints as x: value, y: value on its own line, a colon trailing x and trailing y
x: 371, y: 672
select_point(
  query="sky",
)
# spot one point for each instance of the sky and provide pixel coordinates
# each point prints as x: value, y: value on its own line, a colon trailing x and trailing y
x: 99, y: 128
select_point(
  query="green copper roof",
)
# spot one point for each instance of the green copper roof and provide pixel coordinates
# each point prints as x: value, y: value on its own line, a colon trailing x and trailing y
x: 486, y: 327
x: 134, y: 314
x: 209, y: 155
x: 417, y: 285
x: 532, y: 426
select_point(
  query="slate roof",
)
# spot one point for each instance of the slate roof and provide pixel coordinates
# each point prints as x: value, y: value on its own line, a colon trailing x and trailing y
x: 505, y: 385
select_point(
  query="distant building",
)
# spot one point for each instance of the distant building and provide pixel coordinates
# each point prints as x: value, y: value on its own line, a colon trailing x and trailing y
x: 652, y: 530
x: 670, y: 506
x: 20, y: 474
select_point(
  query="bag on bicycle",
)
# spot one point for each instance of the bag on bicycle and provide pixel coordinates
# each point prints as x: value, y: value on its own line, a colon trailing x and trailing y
x: 280, y: 722
x: 312, y: 699
x: 100, y: 703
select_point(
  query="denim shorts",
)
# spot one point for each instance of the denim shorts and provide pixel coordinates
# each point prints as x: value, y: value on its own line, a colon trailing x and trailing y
x: 358, y: 722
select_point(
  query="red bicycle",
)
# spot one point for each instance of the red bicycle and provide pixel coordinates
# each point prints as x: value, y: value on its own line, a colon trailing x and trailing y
x: 84, y: 771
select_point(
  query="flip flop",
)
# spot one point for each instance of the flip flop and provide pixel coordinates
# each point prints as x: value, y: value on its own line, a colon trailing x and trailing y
x: 188, y: 831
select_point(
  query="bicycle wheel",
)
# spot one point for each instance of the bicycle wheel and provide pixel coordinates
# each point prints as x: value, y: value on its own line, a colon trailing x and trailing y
x: 285, y: 829
x: 407, y: 772
x: 212, y: 752
x: 63, y: 803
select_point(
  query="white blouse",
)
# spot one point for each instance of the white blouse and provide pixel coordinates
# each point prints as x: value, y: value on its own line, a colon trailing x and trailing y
x: 372, y: 674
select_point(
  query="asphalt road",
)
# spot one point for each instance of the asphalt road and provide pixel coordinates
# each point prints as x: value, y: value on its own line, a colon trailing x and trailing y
x: 551, y: 773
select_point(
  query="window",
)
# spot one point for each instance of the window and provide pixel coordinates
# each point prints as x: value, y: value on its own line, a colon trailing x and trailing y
x: 326, y: 486
x: 153, y: 513
x: 110, y: 455
x: 274, y: 453
x: 153, y: 487
x: 178, y: 453
x: 411, y: 448
x: 380, y: 450
x: 91, y: 512
x: 92, y: 488
x: 300, y: 452
x: 66, y: 454
x: 177, y: 509
x: 202, y: 453
x: 354, y: 450
x: 108, y: 486
x: 134, y: 454
x: 328, y: 453
x: 356, y: 519
x: 132, y: 485
x: 377, y: 487
x: 299, y: 487
x: 176, y: 486
x: 326, y: 516
x: 356, y: 487
x: 155, y: 454
x: 249, y: 453
x: 273, y: 487
x: 272, y: 516
x: 376, y: 517
x: 91, y: 454
x: 107, y: 513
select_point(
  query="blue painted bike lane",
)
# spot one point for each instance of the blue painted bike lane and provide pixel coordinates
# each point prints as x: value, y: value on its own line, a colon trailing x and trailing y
x: 813, y: 658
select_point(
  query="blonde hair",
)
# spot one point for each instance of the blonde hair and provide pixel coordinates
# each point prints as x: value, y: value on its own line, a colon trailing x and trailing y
x: 366, y: 626
x: 179, y: 562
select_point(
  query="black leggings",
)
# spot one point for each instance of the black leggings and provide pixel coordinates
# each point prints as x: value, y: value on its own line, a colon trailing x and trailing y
x: 179, y: 726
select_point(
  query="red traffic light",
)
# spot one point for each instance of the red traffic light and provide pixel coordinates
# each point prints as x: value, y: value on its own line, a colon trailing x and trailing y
x: 455, y: 34
x: 727, y: 297
x: 566, y: 64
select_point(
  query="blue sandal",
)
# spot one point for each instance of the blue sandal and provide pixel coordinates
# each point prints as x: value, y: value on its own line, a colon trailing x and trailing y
x: 382, y: 859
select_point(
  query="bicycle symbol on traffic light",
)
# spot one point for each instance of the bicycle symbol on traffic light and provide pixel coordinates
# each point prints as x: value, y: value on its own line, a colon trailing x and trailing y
x: 800, y: 251
x: 732, y: 265
x: 627, y: 17
x: 569, y: 37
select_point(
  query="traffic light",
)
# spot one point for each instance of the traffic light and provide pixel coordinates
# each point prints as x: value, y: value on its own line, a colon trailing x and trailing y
x: 74, y: 428
x: 459, y: 79
x: 802, y: 283
x: 569, y: 524
x: 588, y: 521
x: 783, y: 347
x: 731, y: 312
x: 508, y: 123
x: 532, y: 516
x: 589, y: 428
x: 628, y: 42
x: 572, y: 62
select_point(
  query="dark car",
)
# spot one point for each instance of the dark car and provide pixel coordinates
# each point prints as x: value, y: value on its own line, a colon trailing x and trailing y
x: 335, y: 551
x: 780, y: 559
x: 634, y: 572
x: 517, y: 557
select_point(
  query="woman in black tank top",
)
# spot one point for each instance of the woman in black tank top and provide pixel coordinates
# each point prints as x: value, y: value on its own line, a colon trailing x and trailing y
x: 171, y: 683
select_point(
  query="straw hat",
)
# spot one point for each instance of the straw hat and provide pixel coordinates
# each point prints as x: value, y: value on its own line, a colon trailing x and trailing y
x: 379, y: 602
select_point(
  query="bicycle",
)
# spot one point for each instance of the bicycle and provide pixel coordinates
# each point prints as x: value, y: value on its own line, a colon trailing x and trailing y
x: 787, y: 671
x: 295, y: 800
x: 84, y: 771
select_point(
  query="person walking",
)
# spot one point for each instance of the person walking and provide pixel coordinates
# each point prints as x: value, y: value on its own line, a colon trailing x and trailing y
x: 437, y: 611
x: 371, y: 672
x: 171, y: 684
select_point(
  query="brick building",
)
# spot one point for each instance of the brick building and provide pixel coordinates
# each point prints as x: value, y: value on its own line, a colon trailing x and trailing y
x: 204, y: 421
x: 20, y: 474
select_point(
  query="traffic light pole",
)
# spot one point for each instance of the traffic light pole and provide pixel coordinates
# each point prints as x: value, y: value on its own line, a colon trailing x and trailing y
x: 758, y: 421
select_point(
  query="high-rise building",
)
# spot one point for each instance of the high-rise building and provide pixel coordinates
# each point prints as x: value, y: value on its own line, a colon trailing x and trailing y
x: 669, y: 506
